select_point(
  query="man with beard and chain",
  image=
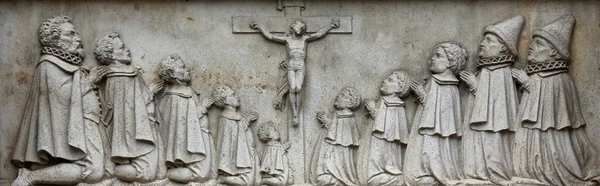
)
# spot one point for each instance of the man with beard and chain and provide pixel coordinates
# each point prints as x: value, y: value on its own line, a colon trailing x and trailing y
x: 128, y: 113
x: 60, y: 141
x: 295, y: 41
x: 184, y: 124
x: 491, y: 117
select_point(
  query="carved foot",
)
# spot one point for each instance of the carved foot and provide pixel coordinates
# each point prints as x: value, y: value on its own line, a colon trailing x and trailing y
x: 295, y: 121
x: 23, y: 178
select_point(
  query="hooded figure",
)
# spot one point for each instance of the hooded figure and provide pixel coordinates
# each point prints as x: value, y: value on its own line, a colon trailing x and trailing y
x: 552, y: 147
x: 491, y: 115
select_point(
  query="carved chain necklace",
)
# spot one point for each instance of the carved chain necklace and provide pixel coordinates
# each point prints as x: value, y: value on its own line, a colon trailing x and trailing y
x: 547, y: 66
x: 71, y: 58
x: 495, y: 61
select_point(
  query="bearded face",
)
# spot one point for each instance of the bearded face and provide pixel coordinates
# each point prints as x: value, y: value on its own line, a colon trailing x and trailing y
x: 69, y: 40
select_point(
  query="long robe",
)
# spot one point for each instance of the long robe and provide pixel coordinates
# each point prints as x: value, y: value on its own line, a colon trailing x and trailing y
x: 388, y: 135
x: 274, y: 163
x: 432, y: 152
x: 336, y: 155
x: 184, y: 127
x: 128, y: 111
x: 490, y: 122
x: 236, y: 156
x: 552, y: 146
x: 61, y: 119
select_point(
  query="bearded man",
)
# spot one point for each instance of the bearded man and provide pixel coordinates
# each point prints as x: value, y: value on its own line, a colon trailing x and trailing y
x: 60, y: 142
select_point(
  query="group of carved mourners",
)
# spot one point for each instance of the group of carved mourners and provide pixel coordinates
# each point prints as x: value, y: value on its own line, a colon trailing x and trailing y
x: 107, y: 125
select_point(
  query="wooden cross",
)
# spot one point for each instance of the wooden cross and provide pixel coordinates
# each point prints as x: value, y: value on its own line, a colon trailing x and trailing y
x: 298, y: 154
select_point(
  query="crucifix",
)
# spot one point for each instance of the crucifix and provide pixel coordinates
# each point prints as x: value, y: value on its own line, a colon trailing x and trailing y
x: 295, y: 37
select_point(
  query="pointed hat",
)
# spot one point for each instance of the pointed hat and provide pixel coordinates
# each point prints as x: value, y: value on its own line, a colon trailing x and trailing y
x: 558, y: 33
x: 509, y: 31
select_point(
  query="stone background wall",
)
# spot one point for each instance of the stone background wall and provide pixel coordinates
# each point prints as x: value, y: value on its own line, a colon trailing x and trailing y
x: 387, y: 35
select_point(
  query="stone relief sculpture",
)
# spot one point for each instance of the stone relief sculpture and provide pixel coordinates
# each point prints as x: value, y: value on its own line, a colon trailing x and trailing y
x: 295, y: 42
x: 389, y: 133
x: 491, y: 116
x: 184, y: 124
x: 128, y: 113
x: 236, y: 157
x: 551, y: 145
x: 334, y: 161
x: 274, y: 164
x: 433, y: 149
x: 60, y: 141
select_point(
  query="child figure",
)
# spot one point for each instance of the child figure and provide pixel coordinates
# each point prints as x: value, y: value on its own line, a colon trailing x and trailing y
x: 336, y: 155
x: 184, y: 124
x: 128, y: 113
x: 432, y: 153
x: 274, y: 167
x: 235, y: 146
x: 389, y: 131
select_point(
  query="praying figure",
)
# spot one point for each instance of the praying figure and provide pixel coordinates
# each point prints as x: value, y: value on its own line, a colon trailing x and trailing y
x: 236, y: 157
x: 295, y: 42
x: 432, y: 152
x: 491, y: 116
x: 389, y: 133
x: 184, y: 124
x: 274, y: 165
x: 60, y: 139
x: 551, y: 147
x: 128, y: 113
x: 335, y: 156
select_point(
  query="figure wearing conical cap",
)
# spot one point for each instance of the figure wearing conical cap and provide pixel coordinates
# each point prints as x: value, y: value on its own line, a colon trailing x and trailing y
x: 551, y: 146
x: 491, y: 114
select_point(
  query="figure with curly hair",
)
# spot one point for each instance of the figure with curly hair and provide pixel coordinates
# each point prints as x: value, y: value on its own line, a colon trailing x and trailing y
x: 274, y: 165
x: 61, y: 127
x: 432, y: 152
x: 236, y: 157
x: 184, y: 124
x: 335, y: 156
x: 128, y: 113
x: 389, y: 130
x: 295, y: 42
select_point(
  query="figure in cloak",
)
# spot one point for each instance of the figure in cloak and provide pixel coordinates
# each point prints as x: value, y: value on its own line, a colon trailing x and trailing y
x: 389, y: 133
x: 236, y: 157
x: 295, y: 42
x: 433, y: 149
x: 60, y: 141
x: 184, y: 124
x: 551, y: 146
x: 274, y: 164
x: 491, y: 115
x: 128, y: 112
x: 336, y: 154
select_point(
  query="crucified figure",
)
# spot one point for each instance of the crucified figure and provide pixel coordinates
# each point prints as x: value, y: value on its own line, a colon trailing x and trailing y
x: 295, y: 41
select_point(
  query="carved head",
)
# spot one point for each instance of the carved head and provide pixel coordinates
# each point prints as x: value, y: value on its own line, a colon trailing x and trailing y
x: 396, y: 83
x: 223, y: 96
x: 110, y: 48
x: 541, y: 50
x: 173, y: 70
x: 268, y: 132
x: 348, y: 98
x: 448, y: 57
x: 492, y: 46
x: 298, y: 27
x: 59, y: 32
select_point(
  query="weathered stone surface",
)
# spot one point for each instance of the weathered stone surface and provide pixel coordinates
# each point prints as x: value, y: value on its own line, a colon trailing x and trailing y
x: 379, y: 37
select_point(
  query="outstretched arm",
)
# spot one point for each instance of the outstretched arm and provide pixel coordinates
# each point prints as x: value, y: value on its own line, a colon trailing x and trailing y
x: 267, y: 34
x: 335, y: 23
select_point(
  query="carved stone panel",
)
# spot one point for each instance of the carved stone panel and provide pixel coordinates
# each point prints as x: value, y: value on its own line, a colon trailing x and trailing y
x: 294, y: 92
